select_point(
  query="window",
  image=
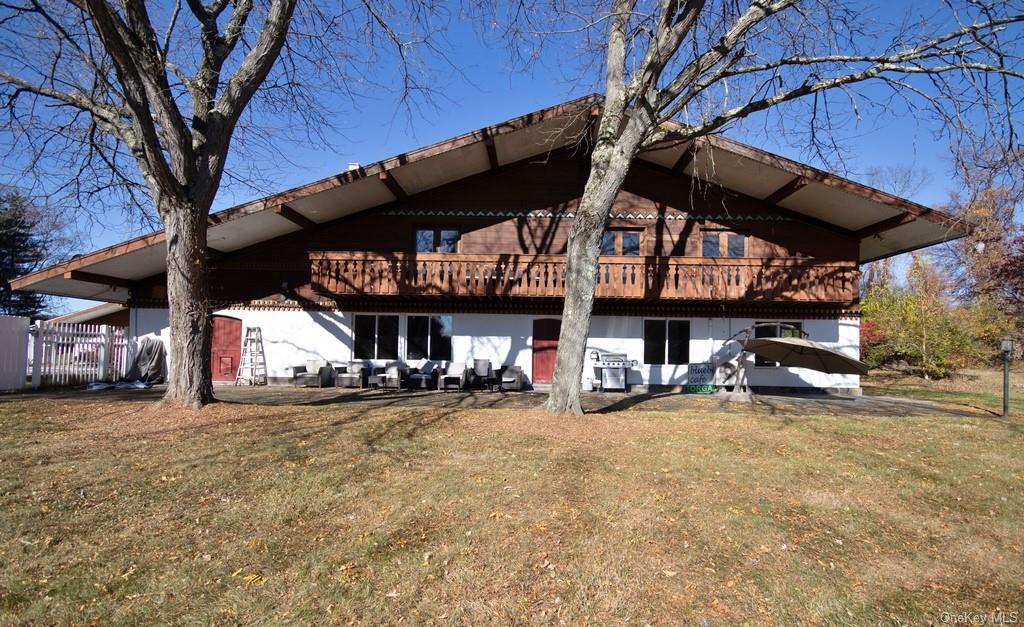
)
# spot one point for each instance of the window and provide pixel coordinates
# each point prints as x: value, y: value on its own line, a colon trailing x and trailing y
x: 630, y: 243
x: 437, y: 240
x: 775, y: 330
x: 711, y: 244
x: 736, y: 245
x: 376, y: 337
x: 430, y: 337
x: 666, y: 342
x: 608, y: 243
x: 618, y: 242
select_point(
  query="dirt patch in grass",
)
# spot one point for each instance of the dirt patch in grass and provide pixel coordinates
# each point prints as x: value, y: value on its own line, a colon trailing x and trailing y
x: 124, y: 512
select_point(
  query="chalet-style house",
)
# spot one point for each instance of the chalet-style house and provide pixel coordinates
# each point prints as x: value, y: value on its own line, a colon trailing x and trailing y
x: 455, y: 252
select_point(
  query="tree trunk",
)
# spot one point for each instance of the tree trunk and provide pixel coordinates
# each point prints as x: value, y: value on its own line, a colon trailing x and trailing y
x: 189, y: 380
x: 609, y: 166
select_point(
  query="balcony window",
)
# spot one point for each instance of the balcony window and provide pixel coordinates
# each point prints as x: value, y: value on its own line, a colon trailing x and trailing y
x: 376, y: 337
x: 620, y: 242
x: 630, y: 243
x: 430, y: 337
x: 608, y: 243
x: 437, y: 240
x: 775, y: 330
x: 666, y: 342
x: 711, y: 244
x: 736, y: 245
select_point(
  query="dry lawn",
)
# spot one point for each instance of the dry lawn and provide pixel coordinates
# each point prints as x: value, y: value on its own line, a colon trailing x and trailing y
x: 120, y: 512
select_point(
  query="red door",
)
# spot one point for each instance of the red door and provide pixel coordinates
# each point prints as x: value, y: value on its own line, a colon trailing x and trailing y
x: 226, y: 349
x: 545, y: 346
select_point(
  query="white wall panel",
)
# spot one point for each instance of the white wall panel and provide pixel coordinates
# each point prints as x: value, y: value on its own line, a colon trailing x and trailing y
x: 292, y: 337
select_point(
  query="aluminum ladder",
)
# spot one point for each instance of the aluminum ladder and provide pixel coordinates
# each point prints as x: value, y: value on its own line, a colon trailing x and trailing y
x: 252, y: 369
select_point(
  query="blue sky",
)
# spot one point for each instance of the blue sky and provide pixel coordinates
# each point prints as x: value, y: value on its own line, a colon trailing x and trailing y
x: 490, y: 91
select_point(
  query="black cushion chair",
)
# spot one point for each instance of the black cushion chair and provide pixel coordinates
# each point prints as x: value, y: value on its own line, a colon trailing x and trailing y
x: 512, y: 378
x: 425, y: 377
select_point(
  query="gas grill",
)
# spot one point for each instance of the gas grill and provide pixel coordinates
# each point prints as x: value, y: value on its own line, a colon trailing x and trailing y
x: 613, y: 367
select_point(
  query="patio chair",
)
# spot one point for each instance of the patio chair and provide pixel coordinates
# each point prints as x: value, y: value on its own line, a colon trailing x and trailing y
x: 352, y: 376
x: 512, y: 378
x: 454, y: 377
x: 483, y: 373
x: 425, y: 377
x: 317, y: 373
x: 394, y: 376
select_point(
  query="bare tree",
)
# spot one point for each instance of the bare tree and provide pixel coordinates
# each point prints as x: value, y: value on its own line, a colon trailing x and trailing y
x: 141, y: 102
x: 679, y: 70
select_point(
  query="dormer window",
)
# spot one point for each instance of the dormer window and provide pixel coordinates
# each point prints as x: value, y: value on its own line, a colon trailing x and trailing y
x: 437, y: 240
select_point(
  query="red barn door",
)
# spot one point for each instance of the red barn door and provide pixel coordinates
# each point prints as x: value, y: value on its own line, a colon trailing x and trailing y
x: 545, y: 346
x: 226, y: 351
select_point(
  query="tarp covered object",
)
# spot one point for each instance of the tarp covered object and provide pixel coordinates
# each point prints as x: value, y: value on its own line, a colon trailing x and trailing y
x: 149, y: 362
x: 797, y: 352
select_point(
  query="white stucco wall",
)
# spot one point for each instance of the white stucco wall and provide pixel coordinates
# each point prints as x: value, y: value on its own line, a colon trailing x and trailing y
x: 292, y: 337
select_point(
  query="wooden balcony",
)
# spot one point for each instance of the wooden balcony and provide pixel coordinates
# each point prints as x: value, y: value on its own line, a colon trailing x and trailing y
x: 543, y: 276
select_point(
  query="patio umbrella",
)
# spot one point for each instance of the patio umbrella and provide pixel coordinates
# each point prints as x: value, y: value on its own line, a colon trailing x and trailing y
x: 796, y: 352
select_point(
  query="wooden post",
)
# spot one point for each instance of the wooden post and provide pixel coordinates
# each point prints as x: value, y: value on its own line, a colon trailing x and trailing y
x: 104, y: 352
x: 37, y: 357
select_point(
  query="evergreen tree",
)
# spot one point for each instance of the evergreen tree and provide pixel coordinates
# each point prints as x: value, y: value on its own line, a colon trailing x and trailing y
x: 23, y: 249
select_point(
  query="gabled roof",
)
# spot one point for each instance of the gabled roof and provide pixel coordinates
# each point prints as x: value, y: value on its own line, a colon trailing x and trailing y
x: 885, y: 224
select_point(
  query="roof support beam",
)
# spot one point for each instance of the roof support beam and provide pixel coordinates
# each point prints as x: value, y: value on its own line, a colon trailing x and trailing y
x: 793, y: 215
x: 885, y: 225
x: 686, y: 158
x: 100, y: 279
x: 393, y: 186
x: 294, y: 217
x: 492, y: 151
x: 786, y: 190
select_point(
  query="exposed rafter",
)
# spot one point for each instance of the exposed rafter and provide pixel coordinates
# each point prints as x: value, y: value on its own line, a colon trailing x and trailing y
x: 294, y: 216
x: 686, y: 158
x: 99, y: 279
x: 885, y: 225
x: 393, y: 185
x: 787, y: 190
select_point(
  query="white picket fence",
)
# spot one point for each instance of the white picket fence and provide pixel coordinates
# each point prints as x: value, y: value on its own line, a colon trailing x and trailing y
x: 13, y: 352
x: 74, y: 354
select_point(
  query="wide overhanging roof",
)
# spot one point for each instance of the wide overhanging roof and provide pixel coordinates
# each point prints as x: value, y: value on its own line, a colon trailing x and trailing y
x: 884, y: 224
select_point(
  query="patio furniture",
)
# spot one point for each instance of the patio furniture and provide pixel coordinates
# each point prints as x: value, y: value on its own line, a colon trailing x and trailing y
x: 394, y: 376
x: 455, y: 377
x: 483, y: 374
x: 353, y: 375
x: 316, y: 373
x: 512, y: 378
x: 425, y: 377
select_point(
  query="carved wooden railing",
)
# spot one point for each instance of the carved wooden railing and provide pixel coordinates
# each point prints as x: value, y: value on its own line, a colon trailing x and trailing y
x: 650, y: 278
